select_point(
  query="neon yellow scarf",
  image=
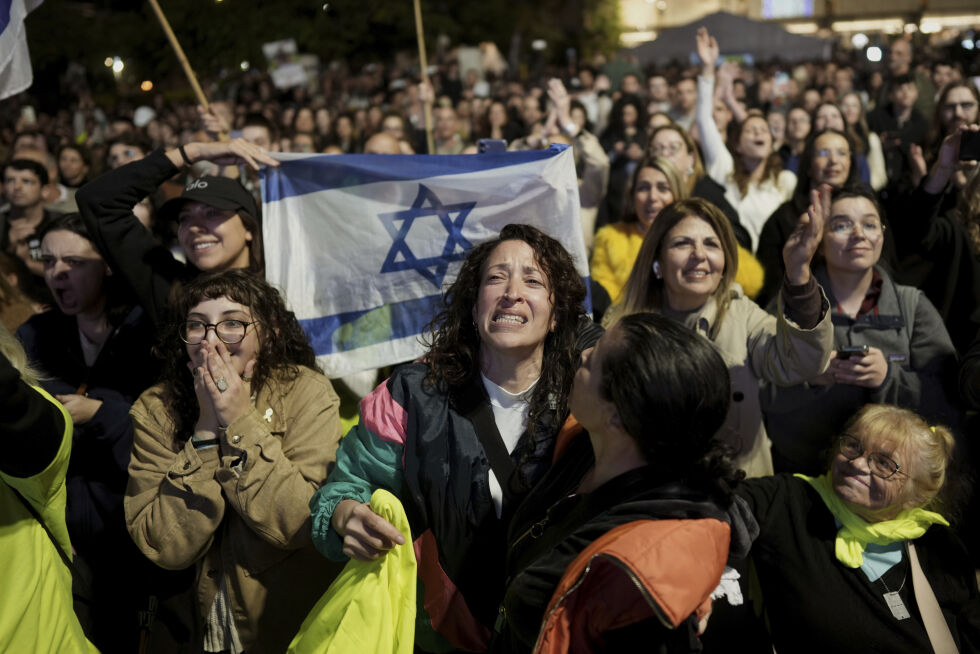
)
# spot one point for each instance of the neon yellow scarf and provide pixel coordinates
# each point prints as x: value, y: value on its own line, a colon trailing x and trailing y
x: 855, y: 532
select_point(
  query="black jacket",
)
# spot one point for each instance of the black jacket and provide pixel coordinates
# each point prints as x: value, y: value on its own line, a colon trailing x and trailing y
x: 936, y: 256
x: 555, y: 524
x: 816, y: 604
x: 97, y: 472
x: 106, y: 205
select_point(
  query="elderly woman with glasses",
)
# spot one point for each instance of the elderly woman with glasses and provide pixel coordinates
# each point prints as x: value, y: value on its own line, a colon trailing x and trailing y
x: 228, y: 450
x: 860, y: 559
x: 890, y: 343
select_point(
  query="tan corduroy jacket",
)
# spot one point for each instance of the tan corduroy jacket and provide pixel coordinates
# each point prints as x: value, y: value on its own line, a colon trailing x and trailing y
x: 757, y: 345
x: 240, y: 509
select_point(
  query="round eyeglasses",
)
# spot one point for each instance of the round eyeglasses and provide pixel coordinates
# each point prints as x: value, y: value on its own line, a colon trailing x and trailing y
x: 872, y: 229
x: 229, y: 332
x: 880, y: 464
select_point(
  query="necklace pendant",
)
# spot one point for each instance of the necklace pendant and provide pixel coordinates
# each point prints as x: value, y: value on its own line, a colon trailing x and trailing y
x: 896, y: 605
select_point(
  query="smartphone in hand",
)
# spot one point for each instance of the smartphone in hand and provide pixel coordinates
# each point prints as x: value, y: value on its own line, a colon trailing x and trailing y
x: 852, y: 351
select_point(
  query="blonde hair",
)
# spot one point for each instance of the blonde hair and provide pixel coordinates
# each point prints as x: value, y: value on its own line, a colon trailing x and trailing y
x: 644, y: 292
x: 11, y: 348
x: 669, y: 170
x: 930, y: 448
x: 697, y: 172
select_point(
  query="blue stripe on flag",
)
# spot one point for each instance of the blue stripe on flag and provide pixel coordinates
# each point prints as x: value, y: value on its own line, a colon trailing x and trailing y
x: 344, y: 332
x: 4, y: 14
x: 325, y: 172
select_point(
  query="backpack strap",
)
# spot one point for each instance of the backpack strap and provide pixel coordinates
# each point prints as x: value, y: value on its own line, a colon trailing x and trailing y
x: 474, y: 405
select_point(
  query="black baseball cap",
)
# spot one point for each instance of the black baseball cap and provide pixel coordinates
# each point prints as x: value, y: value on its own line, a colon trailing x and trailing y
x: 219, y: 192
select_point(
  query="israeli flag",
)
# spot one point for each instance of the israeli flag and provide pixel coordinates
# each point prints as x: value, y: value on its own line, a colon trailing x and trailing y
x: 363, y: 246
x: 15, y: 60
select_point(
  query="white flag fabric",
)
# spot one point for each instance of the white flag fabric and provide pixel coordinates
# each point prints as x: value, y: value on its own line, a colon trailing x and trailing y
x: 363, y: 246
x: 15, y: 60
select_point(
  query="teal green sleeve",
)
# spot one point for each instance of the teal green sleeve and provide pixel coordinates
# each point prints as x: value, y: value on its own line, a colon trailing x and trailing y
x: 365, y: 463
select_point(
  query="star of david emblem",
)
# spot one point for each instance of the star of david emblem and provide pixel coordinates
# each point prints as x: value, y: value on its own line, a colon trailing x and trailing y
x: 400, y: 257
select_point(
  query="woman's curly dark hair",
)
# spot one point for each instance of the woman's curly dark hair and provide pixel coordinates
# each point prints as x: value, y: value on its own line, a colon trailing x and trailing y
x: 284, y: 346
x: 453, y: 339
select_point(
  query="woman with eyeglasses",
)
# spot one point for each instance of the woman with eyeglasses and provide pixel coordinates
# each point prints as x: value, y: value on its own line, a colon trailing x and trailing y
x: 830, y: 159
x: 92, y: 351
x: 672, y: 142
x: 890, y: 343
x: 229, y: 448
x: 860, y: 558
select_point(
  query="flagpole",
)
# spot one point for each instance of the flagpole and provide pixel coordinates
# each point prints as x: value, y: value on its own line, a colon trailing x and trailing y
x: 423, y: 64
x: 188, y: 71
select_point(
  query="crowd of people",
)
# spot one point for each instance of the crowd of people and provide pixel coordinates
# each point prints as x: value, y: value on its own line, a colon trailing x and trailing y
x: 761, y: 436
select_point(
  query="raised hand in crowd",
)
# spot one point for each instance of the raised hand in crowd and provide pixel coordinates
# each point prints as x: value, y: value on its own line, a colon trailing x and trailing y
x: 562, y: 106
x: 708, y: 52
x: 948, y: 164
x: 225, y: 153
x: 214, y: 125
x: 804, y: 241
x: 725, y: 88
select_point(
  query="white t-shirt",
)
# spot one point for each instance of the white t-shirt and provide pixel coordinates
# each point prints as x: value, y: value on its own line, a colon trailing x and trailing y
x: 510, y: 415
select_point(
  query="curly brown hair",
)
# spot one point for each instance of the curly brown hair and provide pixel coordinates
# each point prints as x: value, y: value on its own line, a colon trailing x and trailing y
x: 284, y: 346
x: 454, y: 342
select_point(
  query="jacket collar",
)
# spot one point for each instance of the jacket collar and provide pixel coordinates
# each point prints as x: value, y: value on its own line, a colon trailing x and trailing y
x: 889, y: 314
x: 703, y: 320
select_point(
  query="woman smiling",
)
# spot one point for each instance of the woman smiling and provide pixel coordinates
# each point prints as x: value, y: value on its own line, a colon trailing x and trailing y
x: 686, y: 269
x: 898, y: 349
x: 656, y: 184
x: 859, y: 559
x: 218, y: 220
x: 830, y: 158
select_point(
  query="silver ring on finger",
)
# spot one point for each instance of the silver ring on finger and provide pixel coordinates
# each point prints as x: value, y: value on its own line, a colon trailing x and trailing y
x: 221, y: 383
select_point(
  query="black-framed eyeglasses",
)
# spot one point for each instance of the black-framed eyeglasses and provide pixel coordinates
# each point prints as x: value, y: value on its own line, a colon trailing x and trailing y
x: 880, y: 464
x: 229, y: 332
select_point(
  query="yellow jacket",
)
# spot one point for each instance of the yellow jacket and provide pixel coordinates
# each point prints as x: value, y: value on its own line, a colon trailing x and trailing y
x: 35, y: 595
x: 370, y: 607
x: 616, y: 249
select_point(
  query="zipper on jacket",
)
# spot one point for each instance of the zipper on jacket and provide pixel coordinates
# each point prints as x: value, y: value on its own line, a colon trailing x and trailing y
x: 657, y: 610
